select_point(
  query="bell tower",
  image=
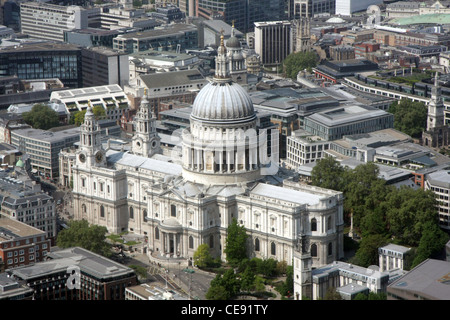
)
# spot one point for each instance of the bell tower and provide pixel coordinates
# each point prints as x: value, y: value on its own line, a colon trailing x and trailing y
x: 435, y: 117
x: 91, y: 152
x: 146, y: 141
x: 302, y: 269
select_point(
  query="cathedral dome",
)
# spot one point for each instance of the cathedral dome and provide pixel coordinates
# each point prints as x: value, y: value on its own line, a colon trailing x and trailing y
x: 222, y: 101
x: 233, y: 42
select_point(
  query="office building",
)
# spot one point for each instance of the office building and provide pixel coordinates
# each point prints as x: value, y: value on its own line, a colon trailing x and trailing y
x: 91, y: 37
x: 11, y: 289
x: 173, y: 37
x: 76, y: 274
x: 20, y: 243
x: 439, y: 183
x: 348, y: 7
x: 48, y: 21
x: 332, y: 72
x: 273, y: 41
x: 243, y: 14
x: 311, y: 8
x: 103, y: 66
x: 336, y: 123
x: 111, y: 97
x: 168, y: 14
x: 44, y: 60
x: 43, y: 147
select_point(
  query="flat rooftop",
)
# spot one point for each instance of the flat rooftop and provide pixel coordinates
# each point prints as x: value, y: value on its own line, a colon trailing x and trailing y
x: 48, y: 136
x: 430, y: 279
x: 88, y: 262
x: 11, y: 229
x: 347, y: 115
x: 178, y: 28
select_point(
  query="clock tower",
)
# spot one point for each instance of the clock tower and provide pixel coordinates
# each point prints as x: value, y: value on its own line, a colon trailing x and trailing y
x: 146, y: 141
x: 91, y: 152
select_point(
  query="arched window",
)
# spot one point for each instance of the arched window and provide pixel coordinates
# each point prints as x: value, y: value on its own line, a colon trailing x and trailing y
x: 211, y: 241
x: 191, y: 242
x: 102, y: 211
x: 330, y: 249
x: 313, y: 224
x: 144, y: 214
x: 314, y: 250
x: 156, y: 233
x: 83, y: 208
x: 273, y: 250
x: 257, y: 244
x: 131, y: 211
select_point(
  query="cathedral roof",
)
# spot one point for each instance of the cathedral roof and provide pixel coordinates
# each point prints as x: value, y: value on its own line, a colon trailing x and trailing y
x: 223, y: 101
x: 233, y: 42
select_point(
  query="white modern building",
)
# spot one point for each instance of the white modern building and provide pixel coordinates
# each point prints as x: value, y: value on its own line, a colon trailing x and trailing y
x: 439, y: 183
x: 348, y: 7
x: 346, y: 120
x: 225, y: 173
x: 302, y: 148
x: 273, y: 41
x: 111, y: 97
x: 47, y: 21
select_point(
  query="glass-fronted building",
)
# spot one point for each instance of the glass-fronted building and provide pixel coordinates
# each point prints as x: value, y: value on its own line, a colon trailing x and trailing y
x: 243, y: 13
x: 43, y: 61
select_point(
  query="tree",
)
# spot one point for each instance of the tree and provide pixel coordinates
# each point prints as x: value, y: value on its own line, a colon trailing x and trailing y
x: 248, y: 279
x: 217, y: 292
x: 364, y: 191
x: 298, y: 61
x: 409, y: 117
x: 89, y: 237
x: 328, y: 173
x: 42, y: 117
x: 78, y: 117
x: 202, y: 256
x: 408, y: 211
x: 367, y: 253
x: 236, y: 243
x: 224, y: 287
x: 433, y: 240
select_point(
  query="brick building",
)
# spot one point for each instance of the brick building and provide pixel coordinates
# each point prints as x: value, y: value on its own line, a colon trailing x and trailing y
x: 21, y: 244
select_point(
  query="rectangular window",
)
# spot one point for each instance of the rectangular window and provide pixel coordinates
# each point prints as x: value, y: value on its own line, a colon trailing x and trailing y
x: 173, y: 210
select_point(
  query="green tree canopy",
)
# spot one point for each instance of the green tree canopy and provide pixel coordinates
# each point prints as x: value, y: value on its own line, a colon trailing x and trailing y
x: 224, y: 287
x: 329, y: 174
x: 78, y: 117
x: 409, y: 117
x: 298, y: 61
x: 81, y: 234
x: 42, y: 117
x: 202, y: 256
x: 431, y: 243
x: 408, y: 211
x: 236, y: 243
